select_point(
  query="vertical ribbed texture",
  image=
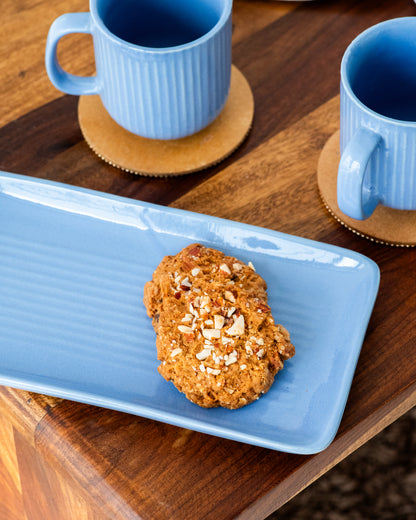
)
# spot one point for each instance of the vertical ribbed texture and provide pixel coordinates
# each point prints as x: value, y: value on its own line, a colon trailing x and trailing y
x: 165, y: 95
x: 393, y: 167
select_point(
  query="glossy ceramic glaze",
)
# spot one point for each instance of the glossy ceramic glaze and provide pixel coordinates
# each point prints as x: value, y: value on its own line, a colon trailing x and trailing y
x: 378, y: 120
x: 153, y: 91
x: 73, y: 264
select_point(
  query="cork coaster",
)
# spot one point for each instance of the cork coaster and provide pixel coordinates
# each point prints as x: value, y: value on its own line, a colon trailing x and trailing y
x: 385, y: 226
x: 153, y: 157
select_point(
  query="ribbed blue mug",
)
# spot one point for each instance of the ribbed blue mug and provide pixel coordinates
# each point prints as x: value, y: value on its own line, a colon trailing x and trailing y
x: 378, y: 120
x: 163, y: 67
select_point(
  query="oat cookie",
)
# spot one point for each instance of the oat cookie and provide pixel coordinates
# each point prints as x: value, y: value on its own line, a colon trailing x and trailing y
x: 216, y: 337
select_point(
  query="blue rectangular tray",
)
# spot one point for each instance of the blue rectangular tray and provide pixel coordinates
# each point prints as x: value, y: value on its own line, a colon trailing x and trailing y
x: 73, y: 264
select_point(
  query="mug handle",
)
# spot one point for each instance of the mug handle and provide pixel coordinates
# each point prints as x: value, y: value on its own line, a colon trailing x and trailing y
x: 354, y: 198
x: 62, y: 80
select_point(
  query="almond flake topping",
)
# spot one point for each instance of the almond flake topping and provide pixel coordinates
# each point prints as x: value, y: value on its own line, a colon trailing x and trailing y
x: 204, y: 301
x: 250, y: 264
x: 228, y: 295
x: 211, y: 333
x: 225, y: 269
x: 218, y: 321
x: 175, y: 352
x: 203, y: 354
x: 217, y: 359
x: 230, y: 312
x: 231, y: 358
x: 185, y: 329
x: 187, y: 318
x: 213, y: 371
x: 237, y: 267
x: 237, y: 329
x: 195, y: 271
x: 186, y: 283
x: 193, y: 311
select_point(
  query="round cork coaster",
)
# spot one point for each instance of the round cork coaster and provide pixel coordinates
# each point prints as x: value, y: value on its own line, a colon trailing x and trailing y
x: 385, y: 226
x: 153, y: 157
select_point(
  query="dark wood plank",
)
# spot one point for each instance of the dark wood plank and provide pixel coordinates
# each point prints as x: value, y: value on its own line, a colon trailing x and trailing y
x: 168, y: 472
x: 152, y: 466
x: 24, y: 84
x: 44, y: 492
x: 11, y: 502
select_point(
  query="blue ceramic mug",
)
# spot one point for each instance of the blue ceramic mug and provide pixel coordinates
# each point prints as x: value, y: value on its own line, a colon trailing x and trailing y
x: 163, y: 67
x: 378, y: 120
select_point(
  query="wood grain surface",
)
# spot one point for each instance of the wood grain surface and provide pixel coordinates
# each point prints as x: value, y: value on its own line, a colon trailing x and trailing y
x: 89, y: 463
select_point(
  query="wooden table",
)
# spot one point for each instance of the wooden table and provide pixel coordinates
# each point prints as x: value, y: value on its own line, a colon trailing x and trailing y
x: 64, y: 460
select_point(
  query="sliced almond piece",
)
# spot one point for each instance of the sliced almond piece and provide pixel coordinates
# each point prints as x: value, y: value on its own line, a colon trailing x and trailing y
x: 206, y: 352
x: 185, y: 329
x: 228, y: 295
x: 237, y: 329
x: 211, y: 334
x: 219, y: 321
x: 225, y: 269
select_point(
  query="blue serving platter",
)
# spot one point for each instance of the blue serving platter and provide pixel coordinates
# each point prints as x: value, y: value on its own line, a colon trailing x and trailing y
x: 73, y: 264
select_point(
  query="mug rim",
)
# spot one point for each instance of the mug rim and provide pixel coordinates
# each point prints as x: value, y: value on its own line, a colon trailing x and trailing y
x: 345, y: 77
x: 226, y: 13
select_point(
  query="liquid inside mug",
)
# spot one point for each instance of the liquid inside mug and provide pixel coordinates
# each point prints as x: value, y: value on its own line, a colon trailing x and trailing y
x: 378, y: 120
x: 163, y: 67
